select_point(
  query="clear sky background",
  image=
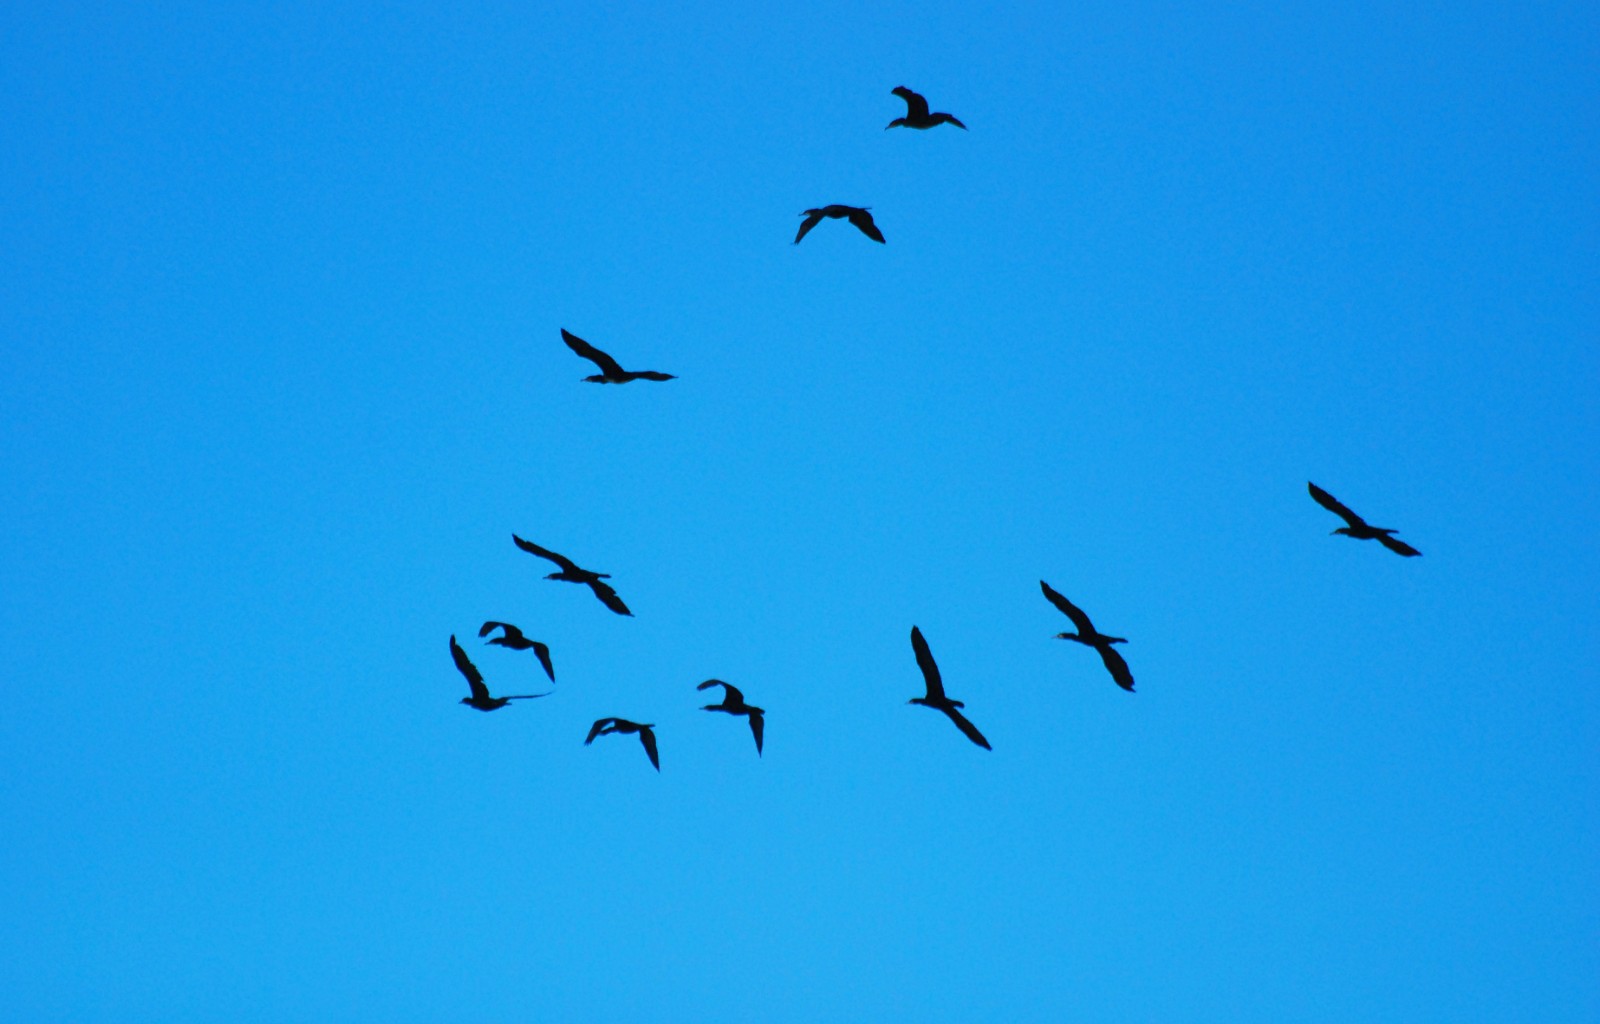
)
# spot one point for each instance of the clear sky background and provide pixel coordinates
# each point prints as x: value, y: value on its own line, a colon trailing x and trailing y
x: 280, y: 374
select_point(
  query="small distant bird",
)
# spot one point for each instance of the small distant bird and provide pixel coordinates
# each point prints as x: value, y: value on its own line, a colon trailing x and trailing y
x: 935, y: 697
x: 514, y: 639
x: 1358, y: 527
x: 733, y: 703
x: 917, y: 115
x: 480, y: 698
x: 1091, y: 637
x: 858, y: 216
x: 646, y: 733
x: 611, y: 372
x: 572, y: 574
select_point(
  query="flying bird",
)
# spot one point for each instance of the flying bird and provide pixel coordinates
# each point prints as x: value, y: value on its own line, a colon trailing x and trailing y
x: 1091, y: 637
x: 858, y: 216
x: 1358, y: 527
x: 917, y: 115
x: 646, y: 731
x: 514, y: 639
x: 572, y: 574
x: 480, y: 698
x: 611, y: 372
x: 733, y: 703
x: 935, y: 697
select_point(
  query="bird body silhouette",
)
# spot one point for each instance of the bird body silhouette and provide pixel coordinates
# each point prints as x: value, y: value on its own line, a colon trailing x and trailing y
x: 733, y: 703
x: 646, y: 731
x: 917, y: 115
x: 571, y: 573
x: 935, y: 697
x: 480, y: 698
x: 857, y: 215
x: 1091, y: 637
x: 611, y: 372
x: 1358, y: 527
x: 514, y: 640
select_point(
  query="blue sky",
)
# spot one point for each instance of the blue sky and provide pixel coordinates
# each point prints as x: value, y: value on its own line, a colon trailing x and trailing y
x: 282, y: 374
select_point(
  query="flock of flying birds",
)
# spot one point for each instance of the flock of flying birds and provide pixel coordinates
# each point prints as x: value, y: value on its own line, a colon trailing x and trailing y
x: 733, y: 702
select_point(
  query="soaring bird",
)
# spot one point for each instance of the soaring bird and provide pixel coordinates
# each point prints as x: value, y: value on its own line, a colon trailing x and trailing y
x: 935, y: 697
x: 645, y: 730
x: 514, y: 639
x: 1091, y: 637
x: 858, y: 216
x: 572, y: 574
x: 1358, y: 527
x: 611, y: 372
x: 733, y: 703
x: 917, y: 115
x: 480, y: 698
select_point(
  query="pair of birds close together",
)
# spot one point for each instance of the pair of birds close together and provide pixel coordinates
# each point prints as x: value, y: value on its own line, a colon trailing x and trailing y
x: 936, y: 698
x: 917, y: 116
x: 733, y: 703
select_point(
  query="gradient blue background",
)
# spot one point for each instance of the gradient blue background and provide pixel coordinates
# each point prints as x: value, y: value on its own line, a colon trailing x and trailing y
x: 280, y: 374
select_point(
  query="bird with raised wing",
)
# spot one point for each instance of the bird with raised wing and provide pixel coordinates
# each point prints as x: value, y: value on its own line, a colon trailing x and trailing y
x: 646, y: 731
x: 1358, y: 527
x: 733, y: 703
x: 857, y: 215
x: 1091, y: 637
x: 571, y: 573
x: 917, y: 115
x: 514, y: 640
x: 935, y: 697
x: 611, y: 372
x: 480, y: 698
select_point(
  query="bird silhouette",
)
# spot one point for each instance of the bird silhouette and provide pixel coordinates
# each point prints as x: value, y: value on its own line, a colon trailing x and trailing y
x: 858, y: 216
x: 646, y: 731
x: 733, y: 703
x: 570, y: 573
x: 480, y: 698
x: 611, y: 372
x: 917, y: 115
x: 935, y: 697
x: 514, y: 640
x: 1358, y: 528
x: 1091, y: 637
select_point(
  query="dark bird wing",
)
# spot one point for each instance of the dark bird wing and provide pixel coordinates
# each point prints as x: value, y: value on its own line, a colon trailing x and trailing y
x: 647, y: 736
x: 1397, y: 545
x: 812, y: 219
x: 533, y: 549
x: 916, y: 105
x: 1116, y: 666
x: 955, y: 121
x: 758, y: 726
x: 465, y: 666
x: 967, y: 727
x: 930, y: 671
x: 608, y: 366
x: 863, y: 220
x: 608, y: 597
x: 530, y: 696
x: 490, y: 627
x: 1069, y: 609
x: 709, y: 683
x: 542, y: 651
x: 1329, y: 502
x: 601, y: 725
